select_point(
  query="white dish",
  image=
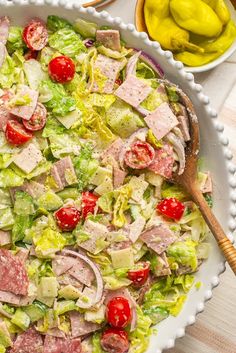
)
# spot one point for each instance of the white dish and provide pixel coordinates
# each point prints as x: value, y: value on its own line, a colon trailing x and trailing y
x: 224, y: 56
x: 213, y: 148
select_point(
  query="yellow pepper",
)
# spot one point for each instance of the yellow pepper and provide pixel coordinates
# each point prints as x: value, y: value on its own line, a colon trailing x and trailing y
x: 196, y: 16
x: 213, y: 49
x: 220, y: 8
x: 162, y: 27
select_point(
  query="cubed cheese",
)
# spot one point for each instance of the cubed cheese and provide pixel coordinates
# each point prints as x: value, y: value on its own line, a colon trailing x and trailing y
x: 49, y: 287
x: 28, y: 158
x: 70, y: 119
x: 122, y: 258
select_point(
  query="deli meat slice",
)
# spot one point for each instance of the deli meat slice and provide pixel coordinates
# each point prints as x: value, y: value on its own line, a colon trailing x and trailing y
x: 161, y: 121
x: 5, y: 238
x: 113, y: 150
x: 163, y: 162
x: 158, y: 238
x: 81, y: 327
x: 110, y: 68
x: 61, y: 345
x: 133, y: 91
x: 4, y: 29
x: 22, y: 254
x: 135, y: 229
x: 61, y: 264
x: 8, y: 297
x: 109, y: 38
x: 63, y: 173
x: 28, y: 158
x: 95, y: 231
x: 29, y: 341
x: 81, y: 272
x: 13, y: 275
x: 26, y: 111
x: 162, y: 267
x: 118, y: 177
x: 33, y: 188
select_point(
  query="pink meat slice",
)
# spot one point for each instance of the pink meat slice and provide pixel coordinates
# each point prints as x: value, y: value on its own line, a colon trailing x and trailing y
x: 162, y: 267
x: 67, y: 279
x: 22, y: 254
x: 95, y: 231
x: 5, y: 238
x: 109, y: 38
x: 61, y: 345
x: 118, y: 177
x: 110, y: 68
x: 163, y: 162
x: 4, y: 29
x: 158, y: 238
x: 135, y: 229
x: 79, y: 326
x: 58, y: 172
x: 61, y: 264
x: 161, y: 121
x: 13, y: 275
x: 184, y: 127
x: 113, y: 150
x: 133, y: 91
x: 33, y: 188
x: 81, y: 272
x: 8, y: 297
x: 26, y: 111
x: 29, y: 341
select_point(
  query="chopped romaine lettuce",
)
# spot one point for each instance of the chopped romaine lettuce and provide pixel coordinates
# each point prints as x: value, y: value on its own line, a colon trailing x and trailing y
x: 9, y: 73
x: 184, y: 253
x: 15, y: 40
x: 6, y: 218
x: 86, y: 29
x: 22, y: 224
x: 139, y: 338
x: 67, y: 42
x: 24, y: 203
x: 48, y: 243
x: 68, y: 145
x: 54, y: 23
x: 8, y: 178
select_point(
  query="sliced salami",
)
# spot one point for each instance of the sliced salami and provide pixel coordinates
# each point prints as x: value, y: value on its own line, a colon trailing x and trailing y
x: 28, y: 342
x: 61, y: 345
x: 163, y: 161
x: 13, y: 275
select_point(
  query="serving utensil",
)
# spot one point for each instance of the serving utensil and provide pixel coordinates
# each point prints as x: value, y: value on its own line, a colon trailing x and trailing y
x: 188, y: 180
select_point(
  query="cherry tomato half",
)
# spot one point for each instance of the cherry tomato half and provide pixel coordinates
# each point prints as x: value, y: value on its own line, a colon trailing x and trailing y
x: 114, y: 340
x: 35, y: 35
x: 89, y: 201
x: 119, y: 81
x: 67, y: 218
x: 61, y: 69
x: 140, y: 155
x: 140, y: 275
x: 118, y: 312
x: 172, y: 208
x: 37, y: 120
x: 31, y: 54
x: 16, y: 134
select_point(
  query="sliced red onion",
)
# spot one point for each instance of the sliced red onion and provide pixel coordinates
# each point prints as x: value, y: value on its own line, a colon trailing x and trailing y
x: 132, y: 63
x: 151, y: 62
x: 88, y: 43
x: 179, y: 149
x: 3, y: 54
x: 96, y: 271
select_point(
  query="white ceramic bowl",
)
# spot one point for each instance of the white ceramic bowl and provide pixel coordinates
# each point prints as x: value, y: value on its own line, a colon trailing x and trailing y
x: 214, y: 148
x: 224, y: 56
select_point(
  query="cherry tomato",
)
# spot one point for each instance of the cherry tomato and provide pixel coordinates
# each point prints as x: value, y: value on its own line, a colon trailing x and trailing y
x: 67, y: 218
x: 140, y: 155
x: 37, y: 120
x: 89, y: 201
x: 114, y: 340
x: 118, y: 312
x: 31, y: 54
x: 35, y: 35
x: 119, y: 81
x: 16, y: 134
x: 172, y: 208
x: 140, y: 275
x: 61, y: 69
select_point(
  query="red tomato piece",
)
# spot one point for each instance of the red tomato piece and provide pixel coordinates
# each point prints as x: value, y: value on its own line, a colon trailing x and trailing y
x: 139, y: 275
x: 37, y: 120
x: 16, y: 134
x: 67, y: 218
x: 61, y: 69
x: 89, y: 202
x: 35, y: 35
x: 118, y: 81
x: 31, y: 54
x: 140, y: 155
x: 172, y: 208
x: 114, y: 340
x: 118, y: 312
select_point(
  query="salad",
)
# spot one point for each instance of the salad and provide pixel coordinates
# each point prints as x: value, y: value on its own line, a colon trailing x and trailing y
x: 96, y: 243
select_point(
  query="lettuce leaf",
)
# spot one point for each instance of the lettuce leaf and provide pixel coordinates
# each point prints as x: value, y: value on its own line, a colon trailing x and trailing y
x: 67, y: 42
x: 96, y: 343
x: 184, y: 253
x: 22, y: 223
x: 139, y: 338
x: 6, y: 218
x: 5, y: 160
x: 9, y: 178
x: 24, y: 204
x: 48, y: 243
x: 15, y: 41
x: 54, y: 23
x: 85, y: 29
x: 69, y: 144
x: 9, y: 73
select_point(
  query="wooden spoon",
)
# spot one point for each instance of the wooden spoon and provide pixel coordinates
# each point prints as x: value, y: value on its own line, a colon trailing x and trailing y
x: 188, y: 180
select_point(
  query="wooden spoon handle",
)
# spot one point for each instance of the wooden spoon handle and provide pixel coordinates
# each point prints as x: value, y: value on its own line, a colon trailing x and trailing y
x: 224, y: 243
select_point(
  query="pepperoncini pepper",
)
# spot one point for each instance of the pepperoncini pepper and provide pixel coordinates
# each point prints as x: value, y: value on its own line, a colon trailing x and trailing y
x: 196, y: 16
x: 162, y: 27
x: 220, y: 8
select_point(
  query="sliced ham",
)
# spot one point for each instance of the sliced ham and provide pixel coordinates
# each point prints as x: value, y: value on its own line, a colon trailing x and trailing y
x: 95, y: 231
x: 61, y: 345
x: 109, y: 38
x: 158, y: 238
x: 80, y: 327
x: 13, y: 275
x: 32, y: 187
x: 161, y: 121
x: 67, y: 279
x: 118, y: 177
x: 5, y: 238
x: 133, y: 91
x: 29, y: 341
x: 26, y: 111
x: 56, y: 332
x: 8, y: 297
x: 184, y: 127
x: 110, y: 68
x: 3, y: 54
x: 4, y: 29
x: 61, y: 264
x: 163, y: 267
x: 135, y: 229
x: 22, y: 254
x: 28, y: 159
x: 59, y: 172
x: 163, y: 162
x: 81, y: 272
x: 113, y: 150
x: 207, y: 187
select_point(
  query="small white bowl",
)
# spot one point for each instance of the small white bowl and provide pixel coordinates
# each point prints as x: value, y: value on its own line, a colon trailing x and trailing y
x: 214, y: 148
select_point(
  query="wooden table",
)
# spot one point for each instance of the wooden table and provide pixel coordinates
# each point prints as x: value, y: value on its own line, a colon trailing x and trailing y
x: 215, y: 328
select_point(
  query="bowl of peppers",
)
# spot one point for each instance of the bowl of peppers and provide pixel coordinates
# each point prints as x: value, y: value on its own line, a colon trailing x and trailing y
x: 200, y: 33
